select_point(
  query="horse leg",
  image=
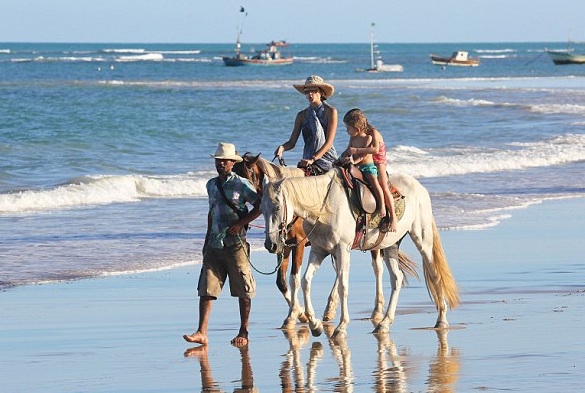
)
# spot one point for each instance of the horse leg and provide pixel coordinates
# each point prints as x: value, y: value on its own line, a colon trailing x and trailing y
x: 281, y: 276
x: 332, y: 302
x: 295, y: 309
x: 423, y: 236
x: 396, y: 280
x: 342, y: 255
x: 315, y: 259
x: 378, y: 267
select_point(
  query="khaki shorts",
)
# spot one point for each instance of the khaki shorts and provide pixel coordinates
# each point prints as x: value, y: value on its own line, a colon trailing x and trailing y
x: 220, y: 263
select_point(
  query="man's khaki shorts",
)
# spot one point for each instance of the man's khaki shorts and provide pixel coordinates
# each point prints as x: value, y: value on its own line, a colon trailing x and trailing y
x: 220, y: 263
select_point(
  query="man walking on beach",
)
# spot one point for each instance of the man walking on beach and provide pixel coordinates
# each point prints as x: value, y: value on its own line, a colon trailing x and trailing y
x: 225, y: 251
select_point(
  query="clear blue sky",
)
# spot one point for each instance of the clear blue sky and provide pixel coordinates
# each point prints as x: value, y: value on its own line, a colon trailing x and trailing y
x: 298, y: 21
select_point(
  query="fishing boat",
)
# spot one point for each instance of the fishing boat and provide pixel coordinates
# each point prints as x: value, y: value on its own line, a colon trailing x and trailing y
x: 562, y: 57
x: 458, y: 58
x: 265, y: 57
x: 376, y: 62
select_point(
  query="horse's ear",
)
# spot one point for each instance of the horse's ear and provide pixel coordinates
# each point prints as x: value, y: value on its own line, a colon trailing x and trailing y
x: 253, y: 159
x: 265, y: 182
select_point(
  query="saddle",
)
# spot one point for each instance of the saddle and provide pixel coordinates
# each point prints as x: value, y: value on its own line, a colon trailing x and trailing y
x: 363, y: 205
x: 354, y: 180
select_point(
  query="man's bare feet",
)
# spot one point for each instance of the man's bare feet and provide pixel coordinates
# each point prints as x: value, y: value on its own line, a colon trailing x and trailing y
x: 240, y: 340
x: 197, y: 338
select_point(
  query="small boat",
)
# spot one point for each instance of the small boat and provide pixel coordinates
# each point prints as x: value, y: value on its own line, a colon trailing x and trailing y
x: 376, y: 62
x: 562, y: 57
x: 459, y: 58
x: 265, y: 57
x: 565, y: 57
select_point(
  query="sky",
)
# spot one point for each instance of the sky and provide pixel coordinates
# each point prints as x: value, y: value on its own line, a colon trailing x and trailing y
x: 298, y: 21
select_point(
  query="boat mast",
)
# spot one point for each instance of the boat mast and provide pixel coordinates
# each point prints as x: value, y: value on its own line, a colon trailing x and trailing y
x: 238, y: 44
x: 372, y: 45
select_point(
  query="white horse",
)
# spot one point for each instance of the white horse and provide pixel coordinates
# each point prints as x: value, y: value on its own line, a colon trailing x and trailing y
x: 323, y: 204
x: 259, y: 171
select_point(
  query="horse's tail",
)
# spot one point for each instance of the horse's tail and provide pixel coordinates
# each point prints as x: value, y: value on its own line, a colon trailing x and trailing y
x: 407, y: 265
x: 443, y: 282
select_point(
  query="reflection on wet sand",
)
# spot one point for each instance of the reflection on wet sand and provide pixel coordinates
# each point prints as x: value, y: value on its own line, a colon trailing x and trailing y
x: 391, y: 374
x: 342, y: 355
x: 208, y: 383
x: 292, y: 363
x: 444, y: 368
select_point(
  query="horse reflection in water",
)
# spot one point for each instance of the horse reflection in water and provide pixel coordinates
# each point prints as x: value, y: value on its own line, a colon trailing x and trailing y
x: 292, y: 373
x: 444, y: 369
x: 208, y: 383
x: 391, y: 374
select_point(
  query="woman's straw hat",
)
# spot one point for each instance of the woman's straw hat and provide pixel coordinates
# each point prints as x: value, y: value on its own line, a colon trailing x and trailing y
x: 316, y: 81
x: 227, y: 151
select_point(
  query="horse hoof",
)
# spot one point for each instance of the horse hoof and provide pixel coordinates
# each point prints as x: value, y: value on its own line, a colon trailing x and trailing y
x: 317, y: 329
x: 288, y: 324
x: 441, y: 325
x: 379, y: 329
x: 376, y: 318
x: 303, y: 318
x: 339, y: 334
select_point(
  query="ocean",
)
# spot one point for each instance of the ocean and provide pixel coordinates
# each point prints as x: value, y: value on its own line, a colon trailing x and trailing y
x: 105, y: 148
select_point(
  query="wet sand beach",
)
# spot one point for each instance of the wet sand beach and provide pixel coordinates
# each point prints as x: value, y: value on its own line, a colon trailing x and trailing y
x: 519, y: 327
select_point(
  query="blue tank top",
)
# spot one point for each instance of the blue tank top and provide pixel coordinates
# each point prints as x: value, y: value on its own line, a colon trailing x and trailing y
x: 313, y: 130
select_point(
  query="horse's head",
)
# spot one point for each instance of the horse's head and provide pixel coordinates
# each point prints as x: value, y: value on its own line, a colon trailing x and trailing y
x: 248, y: 169
x: 276, y: 217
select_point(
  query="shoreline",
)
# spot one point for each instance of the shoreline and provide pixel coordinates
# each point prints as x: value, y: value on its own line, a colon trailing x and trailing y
x: 517, y: 328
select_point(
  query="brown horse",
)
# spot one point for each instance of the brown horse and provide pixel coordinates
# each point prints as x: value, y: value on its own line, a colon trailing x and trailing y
x: 258, y: 170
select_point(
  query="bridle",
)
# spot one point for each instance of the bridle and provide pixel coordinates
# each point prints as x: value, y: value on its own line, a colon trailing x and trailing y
x: 284, y: 229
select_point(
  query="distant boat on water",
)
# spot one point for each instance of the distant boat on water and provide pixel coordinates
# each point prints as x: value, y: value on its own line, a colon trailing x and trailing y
x: 265, y: 57
x: 563, y: 57
x: 376, y: 62
x: 458, y: 58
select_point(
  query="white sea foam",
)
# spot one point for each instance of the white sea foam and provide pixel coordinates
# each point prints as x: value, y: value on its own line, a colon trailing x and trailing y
x: 124, y: 50
x: 5, y: 51
x: 179, y: 52
x: 495, y: 50
x: 100, y: 190
x: 496, y: 56
x: 463, y: 160
x: 145, y: 57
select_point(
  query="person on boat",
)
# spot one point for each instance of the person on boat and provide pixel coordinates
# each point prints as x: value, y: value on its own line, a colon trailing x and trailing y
x: 318, y: 125
x: 225, y: 251
x: 357, y: 123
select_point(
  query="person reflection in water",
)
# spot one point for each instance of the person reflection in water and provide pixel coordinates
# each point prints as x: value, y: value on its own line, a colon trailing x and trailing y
x: 208, y: 383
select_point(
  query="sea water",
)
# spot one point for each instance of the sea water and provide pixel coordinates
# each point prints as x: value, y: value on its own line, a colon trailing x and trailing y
x: 105, y: 148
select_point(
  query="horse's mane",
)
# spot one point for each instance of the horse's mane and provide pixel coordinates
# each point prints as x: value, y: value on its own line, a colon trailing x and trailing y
x: 276, y: 172
x: 312, y: 193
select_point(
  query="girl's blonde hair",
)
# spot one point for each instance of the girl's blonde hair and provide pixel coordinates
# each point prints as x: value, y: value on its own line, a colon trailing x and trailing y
x: 356, y: 118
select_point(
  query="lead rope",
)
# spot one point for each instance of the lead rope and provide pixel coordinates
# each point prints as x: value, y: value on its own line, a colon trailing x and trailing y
x: 280, y: 258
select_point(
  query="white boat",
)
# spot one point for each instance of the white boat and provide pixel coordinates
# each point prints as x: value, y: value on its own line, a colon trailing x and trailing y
x: 376, y: 62
x: 459, y: 58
